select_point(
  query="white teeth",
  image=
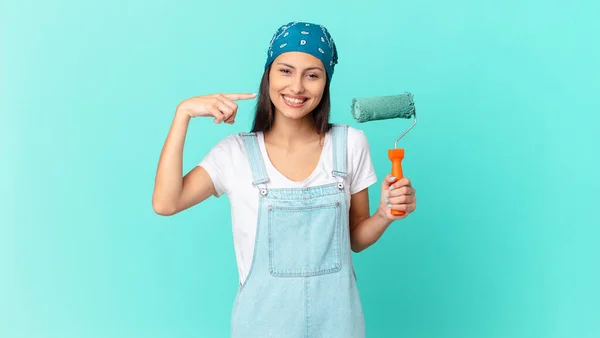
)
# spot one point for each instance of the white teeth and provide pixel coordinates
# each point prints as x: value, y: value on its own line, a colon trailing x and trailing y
x: 291, y: 100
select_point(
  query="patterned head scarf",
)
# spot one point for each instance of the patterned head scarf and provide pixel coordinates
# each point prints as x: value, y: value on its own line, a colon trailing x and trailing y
x: 304, y: 37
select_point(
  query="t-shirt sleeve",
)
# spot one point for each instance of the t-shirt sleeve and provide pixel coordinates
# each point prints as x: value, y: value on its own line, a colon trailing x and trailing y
x: 363, y: 173
x: 217, y: 163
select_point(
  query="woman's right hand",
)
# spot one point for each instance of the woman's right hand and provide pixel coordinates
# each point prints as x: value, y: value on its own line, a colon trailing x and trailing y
x: 221, y: 106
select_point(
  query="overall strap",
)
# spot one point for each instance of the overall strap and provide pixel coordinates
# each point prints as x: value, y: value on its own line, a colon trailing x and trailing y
x: 259, y: 172
x: 340, y: 136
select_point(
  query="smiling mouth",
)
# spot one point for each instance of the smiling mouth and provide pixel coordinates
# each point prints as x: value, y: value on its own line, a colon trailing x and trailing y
x: 294, y: 101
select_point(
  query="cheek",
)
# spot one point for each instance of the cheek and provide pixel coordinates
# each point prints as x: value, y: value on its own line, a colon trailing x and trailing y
x: 273, y: 92
x: 275, y: 84
x: 317, y: 88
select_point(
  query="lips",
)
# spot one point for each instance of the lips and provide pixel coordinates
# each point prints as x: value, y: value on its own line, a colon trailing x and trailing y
x: 294, y: 101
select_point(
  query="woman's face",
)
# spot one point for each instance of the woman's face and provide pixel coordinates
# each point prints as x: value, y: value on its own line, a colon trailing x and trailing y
x: 297, y: 81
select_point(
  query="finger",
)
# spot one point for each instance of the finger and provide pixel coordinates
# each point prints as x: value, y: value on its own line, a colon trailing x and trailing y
x: 217, y: 114
x: 407, y: 208
x: 228, y: 102
x: 239, y: 96
x: 225, y: 110
x: 404, y: 199
x: 402, y: 207
x: 231, y: 119
x: 401, y: 183
x: 401, y: 191
x: 219, y: 105
x: 389, y: 179
x: 231, y: 112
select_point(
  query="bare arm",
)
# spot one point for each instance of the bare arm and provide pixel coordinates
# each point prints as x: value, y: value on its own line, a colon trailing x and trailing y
x: 366, y: 229
x: 172, y: 192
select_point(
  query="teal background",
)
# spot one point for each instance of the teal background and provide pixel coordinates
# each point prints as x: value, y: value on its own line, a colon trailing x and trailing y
x: 504, y: 242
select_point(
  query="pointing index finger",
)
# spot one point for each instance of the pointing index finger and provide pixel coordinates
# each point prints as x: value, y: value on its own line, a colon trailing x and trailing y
x: 239, y: 96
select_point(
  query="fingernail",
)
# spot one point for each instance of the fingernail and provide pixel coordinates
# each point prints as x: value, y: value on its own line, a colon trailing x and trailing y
x: 386, y: 201
x: 391, y: 188
x: 389, y: 206
x: 387, y: 195
x: 392, y: 178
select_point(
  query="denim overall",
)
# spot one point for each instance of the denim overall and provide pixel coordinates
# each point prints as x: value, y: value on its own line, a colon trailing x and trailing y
x: 301, y: 282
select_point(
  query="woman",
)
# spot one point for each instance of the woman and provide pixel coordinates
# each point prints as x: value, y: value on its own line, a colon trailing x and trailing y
x: 298, y: 192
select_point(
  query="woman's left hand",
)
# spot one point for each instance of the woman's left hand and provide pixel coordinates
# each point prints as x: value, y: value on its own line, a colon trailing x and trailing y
x: 399, y: 196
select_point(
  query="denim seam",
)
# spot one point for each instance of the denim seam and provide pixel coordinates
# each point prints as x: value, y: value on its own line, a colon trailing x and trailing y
x: 340, y: 157
x: 337, y: 265
x: 307, y: 307
x: 259, y: 171
x: 254, y: 253
x: 311, y: 207
x: 303, y: 193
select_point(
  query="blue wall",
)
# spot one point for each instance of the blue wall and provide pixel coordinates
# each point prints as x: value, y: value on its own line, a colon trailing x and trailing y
x: 504, y: 158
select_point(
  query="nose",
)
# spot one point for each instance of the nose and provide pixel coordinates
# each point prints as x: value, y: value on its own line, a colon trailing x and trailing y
x: 297, y: 84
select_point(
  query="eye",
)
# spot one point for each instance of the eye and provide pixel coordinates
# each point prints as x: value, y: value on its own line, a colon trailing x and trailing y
x: 285, y: 70
x: 313, y: 76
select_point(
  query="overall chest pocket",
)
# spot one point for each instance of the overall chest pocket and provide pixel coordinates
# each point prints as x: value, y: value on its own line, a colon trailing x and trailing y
x: 305, y: 240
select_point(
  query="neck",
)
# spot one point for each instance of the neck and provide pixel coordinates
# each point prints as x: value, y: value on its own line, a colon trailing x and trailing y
x: 289, y: 132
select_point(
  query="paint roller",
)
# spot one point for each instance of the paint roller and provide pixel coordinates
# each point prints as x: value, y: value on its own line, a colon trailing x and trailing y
x: 384, y: 108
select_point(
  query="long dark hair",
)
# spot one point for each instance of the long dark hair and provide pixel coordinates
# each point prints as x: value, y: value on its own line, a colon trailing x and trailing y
x: 265, y: 110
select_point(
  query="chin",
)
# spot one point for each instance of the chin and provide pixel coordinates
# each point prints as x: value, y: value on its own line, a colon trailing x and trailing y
x: 294, y: 114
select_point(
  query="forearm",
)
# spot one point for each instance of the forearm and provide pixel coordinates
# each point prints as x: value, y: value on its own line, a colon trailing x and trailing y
x: 169, y: 181
x: 368, y: 231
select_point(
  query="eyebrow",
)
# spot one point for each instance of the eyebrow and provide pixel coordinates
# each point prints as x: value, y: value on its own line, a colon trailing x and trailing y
x: 309, y: 68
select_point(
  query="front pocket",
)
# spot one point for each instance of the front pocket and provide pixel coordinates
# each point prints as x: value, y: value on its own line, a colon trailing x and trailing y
x: 304, y: 240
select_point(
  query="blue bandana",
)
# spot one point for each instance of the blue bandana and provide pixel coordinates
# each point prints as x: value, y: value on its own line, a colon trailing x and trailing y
x: 304, y: 37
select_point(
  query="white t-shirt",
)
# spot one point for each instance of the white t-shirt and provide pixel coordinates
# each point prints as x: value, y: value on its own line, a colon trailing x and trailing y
x: 229, y: 169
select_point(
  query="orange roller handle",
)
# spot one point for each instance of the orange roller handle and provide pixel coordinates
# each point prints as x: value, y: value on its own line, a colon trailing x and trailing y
x: 396, y: 156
